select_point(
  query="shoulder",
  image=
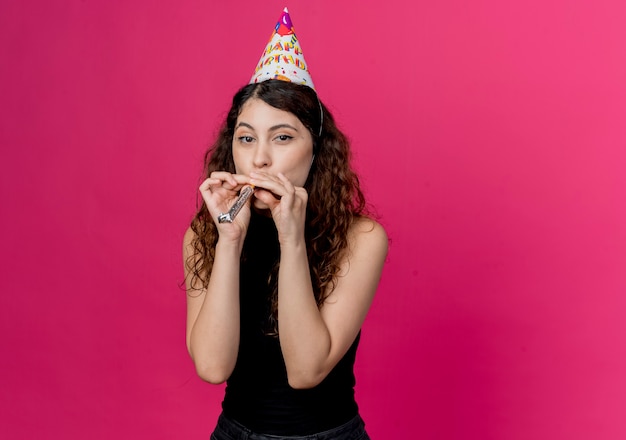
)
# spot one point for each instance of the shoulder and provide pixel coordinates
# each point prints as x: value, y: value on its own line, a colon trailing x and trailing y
x: 367, y: 232
x: 189, y: 247
x: 369, y: 229
x: 362, y: 264
x: 189, y: 235
x: 188, y: 238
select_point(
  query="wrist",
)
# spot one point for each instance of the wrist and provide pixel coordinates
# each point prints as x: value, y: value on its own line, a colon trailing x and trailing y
x: 229, y: 246
x: 292, y: 246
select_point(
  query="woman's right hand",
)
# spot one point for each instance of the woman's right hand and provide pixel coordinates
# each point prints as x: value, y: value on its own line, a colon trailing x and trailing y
x: 219, y: 192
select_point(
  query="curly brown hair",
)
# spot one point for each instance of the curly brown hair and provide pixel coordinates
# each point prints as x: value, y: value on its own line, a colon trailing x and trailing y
x: 335, y: 198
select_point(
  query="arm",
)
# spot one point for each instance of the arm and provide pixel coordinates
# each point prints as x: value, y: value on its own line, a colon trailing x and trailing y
x: 313, y: 340
x: 213, y: 315
x: 213, y: 312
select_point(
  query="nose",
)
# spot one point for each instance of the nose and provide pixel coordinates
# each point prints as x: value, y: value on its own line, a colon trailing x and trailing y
x: 262, y: 155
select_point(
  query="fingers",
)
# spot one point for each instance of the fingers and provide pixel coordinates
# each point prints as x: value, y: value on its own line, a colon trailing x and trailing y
x: 222, y: 180
x: 288, y: 185
x: 269, y: 189
x: 278, y: 189
x: 220, y: 188
x: 206, y: 185
x: 227, y: 180
x: 278, y: 184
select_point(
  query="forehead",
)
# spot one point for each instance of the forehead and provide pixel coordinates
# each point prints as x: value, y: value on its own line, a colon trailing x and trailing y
x: 256, y: 112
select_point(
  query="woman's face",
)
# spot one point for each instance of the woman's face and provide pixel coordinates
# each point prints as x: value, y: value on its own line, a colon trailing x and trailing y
x: 270, y: 140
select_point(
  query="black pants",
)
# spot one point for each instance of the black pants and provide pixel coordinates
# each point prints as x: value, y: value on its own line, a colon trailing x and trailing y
x: 230, y: 430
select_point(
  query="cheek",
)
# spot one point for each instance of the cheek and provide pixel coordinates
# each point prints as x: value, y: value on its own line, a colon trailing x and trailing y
x: 237, y: 160
x: 301, y: 172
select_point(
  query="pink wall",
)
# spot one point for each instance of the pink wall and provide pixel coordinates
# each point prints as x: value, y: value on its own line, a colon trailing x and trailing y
x: 490, y: 136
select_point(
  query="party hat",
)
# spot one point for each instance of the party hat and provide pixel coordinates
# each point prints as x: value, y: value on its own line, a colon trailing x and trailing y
x: 282, y: 58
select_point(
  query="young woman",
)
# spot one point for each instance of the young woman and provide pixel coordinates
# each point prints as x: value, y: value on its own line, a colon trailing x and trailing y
x: 278, y: 294
x: 276, y: 299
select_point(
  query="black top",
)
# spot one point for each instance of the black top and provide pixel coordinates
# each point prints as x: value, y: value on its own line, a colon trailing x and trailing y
x: 257, y: 393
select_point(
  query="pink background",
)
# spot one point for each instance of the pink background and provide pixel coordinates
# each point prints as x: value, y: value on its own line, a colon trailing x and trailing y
x: 490, y: 135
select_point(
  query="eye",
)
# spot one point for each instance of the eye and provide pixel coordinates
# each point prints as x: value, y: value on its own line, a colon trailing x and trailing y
x: 283, y: 138
x: 245, y: 139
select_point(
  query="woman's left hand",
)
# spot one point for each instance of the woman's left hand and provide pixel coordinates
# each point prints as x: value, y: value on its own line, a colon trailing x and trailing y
x: 286, y: 202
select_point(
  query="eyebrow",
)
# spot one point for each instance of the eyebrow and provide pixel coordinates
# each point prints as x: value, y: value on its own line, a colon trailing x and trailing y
x: 272, y: 128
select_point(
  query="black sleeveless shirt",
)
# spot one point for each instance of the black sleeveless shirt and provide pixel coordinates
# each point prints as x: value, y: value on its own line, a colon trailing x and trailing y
x: 257, y: 393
